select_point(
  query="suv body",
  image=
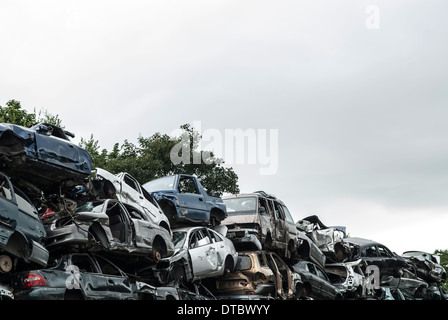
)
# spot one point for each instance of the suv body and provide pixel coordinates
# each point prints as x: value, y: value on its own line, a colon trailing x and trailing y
x: 21, y: 230
x: 266, y: 216
x: 185, y: 201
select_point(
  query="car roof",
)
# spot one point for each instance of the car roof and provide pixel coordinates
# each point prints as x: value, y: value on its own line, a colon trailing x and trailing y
x: 361, y: 241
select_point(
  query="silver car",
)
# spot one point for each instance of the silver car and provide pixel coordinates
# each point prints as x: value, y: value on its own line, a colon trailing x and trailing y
x: 128, y: 190
x: 201, y: 252
x: 117, y: 227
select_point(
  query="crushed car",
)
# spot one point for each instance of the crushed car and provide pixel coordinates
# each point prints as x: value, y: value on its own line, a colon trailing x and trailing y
x: 185, y: 201
x: 21, y: 230
x: 349, y: 278
x: 78, y: 276
x: 267, y: 217
x: 200, y: 252
x: 43, y: 159
x: 127, y: 189
x: 327, y: 239
x: 260, y: 273
x: 315, y: 282
x: 425, y: 265
x: 374, y: 253
x: 111, y: 226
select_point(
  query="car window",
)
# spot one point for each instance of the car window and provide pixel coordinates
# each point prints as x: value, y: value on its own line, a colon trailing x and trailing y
x: 165, y: 183
x: 384, y: 252
x: 5, y: 188
x: 107, y: 267
x: 134, y: 212
x: 280, y: 265
x: 287, y: 214
x: 215, y: 236
x: 84, y: 263
x: 264, y: 207
x: 311, y: 268
x: 24, y: 204
x: 187, y: 185
x: 199, y: 238
x: 321, y: 274
x: 244, y: 262
x: 371, y: 251
x: 240, y: 205
x: 278, y: 211
x: 262, y: 260
x: 131, y: 182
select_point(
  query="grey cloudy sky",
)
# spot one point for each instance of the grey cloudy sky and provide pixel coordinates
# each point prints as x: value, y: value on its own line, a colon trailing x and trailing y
x: 358, y: 97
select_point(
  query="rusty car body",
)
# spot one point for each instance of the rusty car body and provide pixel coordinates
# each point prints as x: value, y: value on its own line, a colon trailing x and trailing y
x: 260, y: 273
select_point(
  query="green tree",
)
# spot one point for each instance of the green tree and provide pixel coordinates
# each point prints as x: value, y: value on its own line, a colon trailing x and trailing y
x: 443, y: 254
x: 15, y: 114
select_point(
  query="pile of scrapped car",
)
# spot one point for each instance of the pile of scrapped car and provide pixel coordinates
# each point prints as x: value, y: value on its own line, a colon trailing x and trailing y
x: 68, y: 231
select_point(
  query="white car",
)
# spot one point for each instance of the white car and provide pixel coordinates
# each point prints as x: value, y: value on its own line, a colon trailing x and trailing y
x: 128, y: 190
x: 202, y: 252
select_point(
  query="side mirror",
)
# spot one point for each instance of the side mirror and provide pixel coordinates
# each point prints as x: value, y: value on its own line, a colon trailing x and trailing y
x: 262, y: 210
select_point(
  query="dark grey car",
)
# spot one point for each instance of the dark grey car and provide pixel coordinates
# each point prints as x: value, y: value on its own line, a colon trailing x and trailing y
x: 315, y: 281
x: 78, y: 276
x: 21, y: 230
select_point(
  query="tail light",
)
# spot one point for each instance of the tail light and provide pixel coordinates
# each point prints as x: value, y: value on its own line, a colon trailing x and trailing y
x: 33, y: 280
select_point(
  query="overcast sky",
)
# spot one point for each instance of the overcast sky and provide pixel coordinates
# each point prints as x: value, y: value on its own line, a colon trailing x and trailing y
x: 356, y: 92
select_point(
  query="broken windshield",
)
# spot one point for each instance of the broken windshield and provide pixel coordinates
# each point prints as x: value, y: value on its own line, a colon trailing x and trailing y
x: 179, y: 239
x: 244, y: 205
x: 91, y: 206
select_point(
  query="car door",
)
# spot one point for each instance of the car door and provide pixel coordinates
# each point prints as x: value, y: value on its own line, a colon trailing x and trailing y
x: 141, y: 228
x: 203, y: 254
x: 327, y: 289
x: 315, y: 281
x: 91, y: 281
x: 8, y: 209
x: 280, y: 224
x: 118, y: 285
x: 130, y: 190
x: 190, y: 199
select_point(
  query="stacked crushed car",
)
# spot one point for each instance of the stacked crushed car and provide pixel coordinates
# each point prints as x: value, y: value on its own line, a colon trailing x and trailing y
x: 68, y: 231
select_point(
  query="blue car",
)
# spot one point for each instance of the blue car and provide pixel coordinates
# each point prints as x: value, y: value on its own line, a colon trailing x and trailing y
x: 184, y: 200
x: 42, y: 156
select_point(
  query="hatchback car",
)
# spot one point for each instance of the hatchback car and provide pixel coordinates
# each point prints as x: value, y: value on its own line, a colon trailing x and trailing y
x: 201, y: 252
x: 316, y: 283
x: 349, y: 278
x: 260, y: 273
x: 267, y: 216
x: 21, y: 229
x: 78, y: 276
x: 115, y: 226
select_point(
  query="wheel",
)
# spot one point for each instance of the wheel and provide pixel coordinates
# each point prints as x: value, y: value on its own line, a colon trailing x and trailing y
x: 5, y: 263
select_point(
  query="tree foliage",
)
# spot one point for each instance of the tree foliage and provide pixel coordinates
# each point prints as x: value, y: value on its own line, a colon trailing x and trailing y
x: 443, y: 254
x: 14, y: 113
